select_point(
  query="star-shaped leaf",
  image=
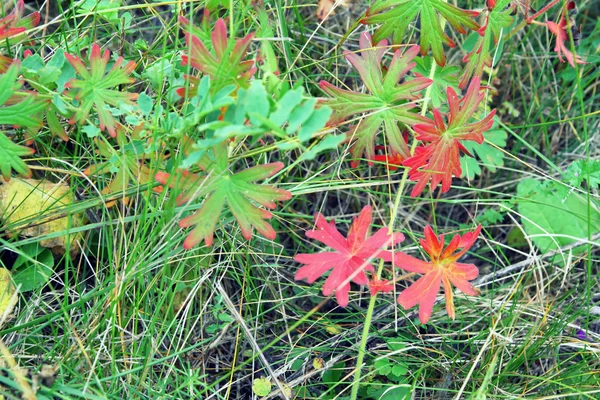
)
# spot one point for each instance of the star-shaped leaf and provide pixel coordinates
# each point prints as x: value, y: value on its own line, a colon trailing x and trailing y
x: 99, y: 88
x: 396, y: 15
x: 440, y: 159
x: 352, y: 255
x: 442, y: 269
x: 388, y: 104
x: 219, y: 187
x: 10, y: 158
x: 225, y: 67
x: 12, y: 28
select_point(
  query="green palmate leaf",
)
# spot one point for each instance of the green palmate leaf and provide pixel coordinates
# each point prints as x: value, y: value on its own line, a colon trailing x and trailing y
x: 443, y: 78
x: 10, y: 158
x: 498, y: 18
x: 584, y: 170
x: 99, y: 88
x: 396, y: 15
x: 489, y: 155
x: 219, y: 187
x: 16, y: 108
x: 47, y: 79
x: 553, y: 217
x: 388, y: 104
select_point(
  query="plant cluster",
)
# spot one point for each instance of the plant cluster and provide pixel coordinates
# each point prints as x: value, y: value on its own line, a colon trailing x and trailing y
x: 223, y: 105
x: 210, y: 138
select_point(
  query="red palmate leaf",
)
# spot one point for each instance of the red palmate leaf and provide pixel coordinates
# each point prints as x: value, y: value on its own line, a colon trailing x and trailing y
x: 97, y: 88
x: 352, y: 255
x: 442, y: 269
x: 388, y: 104
x: 389, y: 158
x: 227, y: 66
x: 440, y: 159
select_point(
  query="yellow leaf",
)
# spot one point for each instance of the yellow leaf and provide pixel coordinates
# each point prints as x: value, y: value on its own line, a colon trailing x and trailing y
x: 6, y: 294
x: 27, y: 199
x: 333, y: 329
x: 318, y: 363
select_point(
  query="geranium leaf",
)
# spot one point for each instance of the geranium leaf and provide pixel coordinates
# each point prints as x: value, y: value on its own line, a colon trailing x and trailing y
x: 489, y: 155
x: 220, y: 187
x: 396, y: 15
x: 352, y: 255
x: 387, y: 104
x: 443, y: 78
x: 442, y: 269
x: 16, y: 108
x: 13, y: 26
x: 439, y: 160
x: 99, y: 88
x: 226, y: 65
x: 498, y: 18
x: 10, y: 158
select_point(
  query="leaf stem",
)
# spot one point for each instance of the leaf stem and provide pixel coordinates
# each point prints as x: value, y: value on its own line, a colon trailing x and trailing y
x: 393, y: 217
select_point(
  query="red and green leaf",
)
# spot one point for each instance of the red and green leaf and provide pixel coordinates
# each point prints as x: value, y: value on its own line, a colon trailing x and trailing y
x: 13, y: 27
x: 388, y: 104
x: 497, y: 18
x: 14, y: 23
x: 99, y: 88
x: 226, y: 65
x: 396, y: 15
x: 443, y: 269
x: 440, y: 159
x: 219, y: 187
x: 351, y: 258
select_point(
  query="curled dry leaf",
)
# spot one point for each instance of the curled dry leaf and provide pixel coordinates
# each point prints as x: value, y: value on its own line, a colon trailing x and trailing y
x: 32, y: 208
